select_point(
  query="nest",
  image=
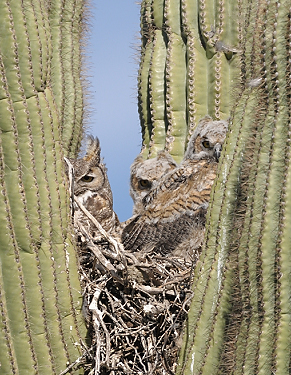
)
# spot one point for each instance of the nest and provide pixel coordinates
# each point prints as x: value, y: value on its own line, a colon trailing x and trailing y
x: 134, y: 303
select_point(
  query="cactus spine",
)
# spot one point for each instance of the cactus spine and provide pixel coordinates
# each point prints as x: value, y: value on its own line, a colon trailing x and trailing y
x: 40, y: 300
x: 229, y: 59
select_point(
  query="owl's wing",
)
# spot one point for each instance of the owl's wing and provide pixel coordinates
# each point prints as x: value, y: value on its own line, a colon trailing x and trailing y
x: 161, y: 237
x: 172, y: 209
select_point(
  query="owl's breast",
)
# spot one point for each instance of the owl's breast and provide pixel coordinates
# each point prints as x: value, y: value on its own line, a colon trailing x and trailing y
x: 100, y: 205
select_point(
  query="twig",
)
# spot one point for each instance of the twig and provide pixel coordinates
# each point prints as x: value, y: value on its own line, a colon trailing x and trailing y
x: 98, y: 320
x: 71, y: 184
x: 117, y: 246
x: 95, y: 250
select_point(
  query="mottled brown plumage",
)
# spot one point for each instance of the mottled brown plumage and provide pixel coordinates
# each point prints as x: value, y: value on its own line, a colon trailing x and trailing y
x: 173, y: 214
x: 145, y: 174
x: 92, y: 189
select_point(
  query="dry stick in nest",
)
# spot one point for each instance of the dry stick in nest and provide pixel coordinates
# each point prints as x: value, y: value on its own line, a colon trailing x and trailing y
x: 96, y: 251
x: 167, y: 335
x: 119, y: 252
x: 97, y: 322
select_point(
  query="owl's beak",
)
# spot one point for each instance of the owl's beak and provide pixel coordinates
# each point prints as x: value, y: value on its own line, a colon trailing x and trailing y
x: 217, y: 151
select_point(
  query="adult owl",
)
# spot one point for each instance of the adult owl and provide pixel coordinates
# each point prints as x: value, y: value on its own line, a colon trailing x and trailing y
x: 173, y: 214
x: 92, y: 189
x: 144, y: 175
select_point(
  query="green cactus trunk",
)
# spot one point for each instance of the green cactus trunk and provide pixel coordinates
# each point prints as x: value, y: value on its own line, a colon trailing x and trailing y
x: 41, y: 324
x: 188, y: 66
x: 229, y: 59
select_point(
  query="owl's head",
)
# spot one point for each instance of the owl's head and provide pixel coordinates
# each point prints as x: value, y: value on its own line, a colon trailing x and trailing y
x: 207, y: 139
x: 89, y: 171
x: 145, y: 173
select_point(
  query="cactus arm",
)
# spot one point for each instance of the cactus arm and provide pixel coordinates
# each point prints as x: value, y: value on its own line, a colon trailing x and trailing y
x: 158, y: 13
x: 71, y: 48
x: 175, y: 77
x: 172, y: 16
x: 143, y: 84
x: 197, y: 97
x: 207, y: 25
x: 156, y: 88
x: 56, y: 57
x: 196, y: 65
x: 144, y: 74
x: 66, y: 22
x: 229, y: 25
x: 176, y: 96
x: 189, y: 62
x: 221, y: 38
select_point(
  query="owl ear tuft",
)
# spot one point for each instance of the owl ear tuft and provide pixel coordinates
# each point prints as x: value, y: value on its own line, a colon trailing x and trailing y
x: 205, y: 119
x: 136, y: 163
x: 165, y: 156
x: 139, y: 159
x: 93, y: 150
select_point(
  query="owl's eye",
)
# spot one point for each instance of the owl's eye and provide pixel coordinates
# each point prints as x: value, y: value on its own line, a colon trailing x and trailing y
x: 144, y: 184
x: 87, y: 178
x: 206, y: 144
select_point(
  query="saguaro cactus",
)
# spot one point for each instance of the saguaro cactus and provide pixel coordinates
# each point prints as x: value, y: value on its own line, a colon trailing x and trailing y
x: 40, y: 325
x: 229, y: 59
x: 246, y: 277
x: 188, y: 65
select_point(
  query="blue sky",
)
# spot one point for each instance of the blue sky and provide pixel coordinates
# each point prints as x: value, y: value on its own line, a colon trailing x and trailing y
x: 111, y: 69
